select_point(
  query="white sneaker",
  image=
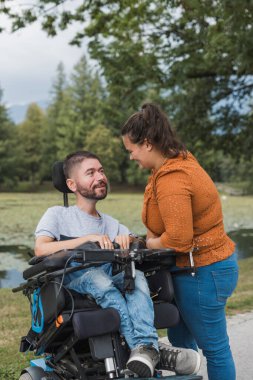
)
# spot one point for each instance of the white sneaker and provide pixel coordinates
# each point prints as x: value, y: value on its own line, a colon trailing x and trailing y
x: 183, y: 361
x: 143, y: 360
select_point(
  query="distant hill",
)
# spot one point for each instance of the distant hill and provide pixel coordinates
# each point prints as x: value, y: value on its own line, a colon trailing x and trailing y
x: 17, y: 112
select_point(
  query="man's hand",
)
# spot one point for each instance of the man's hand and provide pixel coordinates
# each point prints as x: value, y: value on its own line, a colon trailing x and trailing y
x: 103, y: 240
x: 123, y: 240
x: 45, y: 245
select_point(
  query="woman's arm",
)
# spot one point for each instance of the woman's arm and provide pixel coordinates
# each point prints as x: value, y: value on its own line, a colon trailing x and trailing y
x: 153, y: 240
x: 173, y: 195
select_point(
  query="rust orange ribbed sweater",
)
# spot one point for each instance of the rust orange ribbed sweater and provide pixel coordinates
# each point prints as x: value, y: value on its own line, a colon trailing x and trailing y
x: 182, y: 205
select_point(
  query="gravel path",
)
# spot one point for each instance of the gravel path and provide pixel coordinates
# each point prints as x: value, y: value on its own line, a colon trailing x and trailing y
x: 240, y: 330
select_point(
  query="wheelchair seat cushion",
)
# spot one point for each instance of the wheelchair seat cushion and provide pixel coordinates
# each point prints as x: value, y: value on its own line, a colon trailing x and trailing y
x: 81, y: 301
x: 91, y: 323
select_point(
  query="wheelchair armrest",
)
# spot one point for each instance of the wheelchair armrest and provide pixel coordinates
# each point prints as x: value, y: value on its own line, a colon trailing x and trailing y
x: 53, y: 261
x: 35, y: 260
x: 46, y: 263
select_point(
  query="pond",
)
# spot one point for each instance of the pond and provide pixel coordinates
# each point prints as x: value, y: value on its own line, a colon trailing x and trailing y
x: 14, y: 259
x: 244, y: 242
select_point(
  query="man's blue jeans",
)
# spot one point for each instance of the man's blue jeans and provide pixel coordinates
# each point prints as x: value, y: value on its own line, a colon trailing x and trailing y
x: 135, y: 308
x: 201, y: 301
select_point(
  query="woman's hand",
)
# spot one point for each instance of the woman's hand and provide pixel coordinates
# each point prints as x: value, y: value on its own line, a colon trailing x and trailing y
x: 151, y: 234
x: 153, y: 240
x: 154, y: 243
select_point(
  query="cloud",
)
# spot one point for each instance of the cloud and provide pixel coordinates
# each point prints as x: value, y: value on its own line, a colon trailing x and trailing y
x: 29, y: 59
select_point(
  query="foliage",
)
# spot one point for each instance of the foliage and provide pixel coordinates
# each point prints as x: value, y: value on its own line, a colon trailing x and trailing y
x: 53, y: 122
x: 101, y: 141
x: 87, y: 97
x: 8, y: 149
x: 193, y: 58
x: 135, y: 176
x: 30, y: 133
x: 196, y: 55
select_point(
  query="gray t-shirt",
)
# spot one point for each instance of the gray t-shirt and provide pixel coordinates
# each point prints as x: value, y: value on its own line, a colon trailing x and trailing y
x: 73, y: 222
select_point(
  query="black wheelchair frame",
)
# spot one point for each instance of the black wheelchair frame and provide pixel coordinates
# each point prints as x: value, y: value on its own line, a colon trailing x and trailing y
x: 75, y: 337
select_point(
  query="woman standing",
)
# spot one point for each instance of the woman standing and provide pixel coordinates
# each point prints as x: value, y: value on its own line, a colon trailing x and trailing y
x: 182, y: 211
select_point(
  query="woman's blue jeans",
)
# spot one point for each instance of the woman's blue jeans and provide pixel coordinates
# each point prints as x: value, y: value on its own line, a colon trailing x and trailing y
x: 135, y: 308
x: 201, y: 301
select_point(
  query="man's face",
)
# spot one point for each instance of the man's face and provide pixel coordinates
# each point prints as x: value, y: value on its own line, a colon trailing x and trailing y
x: 89, y: 179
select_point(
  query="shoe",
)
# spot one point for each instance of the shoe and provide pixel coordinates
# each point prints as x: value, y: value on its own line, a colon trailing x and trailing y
x: 183, y: 361
x: 143, y: 360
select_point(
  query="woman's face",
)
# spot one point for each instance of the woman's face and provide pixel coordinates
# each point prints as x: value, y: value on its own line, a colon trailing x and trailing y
x: 141, y: 153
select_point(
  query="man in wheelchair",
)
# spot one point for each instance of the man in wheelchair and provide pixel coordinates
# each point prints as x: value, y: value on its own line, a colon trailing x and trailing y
x: 66, y: 228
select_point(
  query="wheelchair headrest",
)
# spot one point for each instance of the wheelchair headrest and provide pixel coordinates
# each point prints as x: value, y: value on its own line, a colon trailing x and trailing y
x: 58, y: 177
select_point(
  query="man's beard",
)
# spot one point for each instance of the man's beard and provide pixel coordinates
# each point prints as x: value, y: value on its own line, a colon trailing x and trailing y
x: 91, y: 194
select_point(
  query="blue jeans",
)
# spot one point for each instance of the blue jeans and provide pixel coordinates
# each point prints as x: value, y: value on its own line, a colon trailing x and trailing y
x: 135, y: 309
x: 201, y: 301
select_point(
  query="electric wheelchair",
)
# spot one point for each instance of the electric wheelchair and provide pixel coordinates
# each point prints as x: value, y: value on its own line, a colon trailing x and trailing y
x: 71, y: 335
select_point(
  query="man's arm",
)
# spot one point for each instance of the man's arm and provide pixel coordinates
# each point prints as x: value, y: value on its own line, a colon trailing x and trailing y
x: 45, y: 245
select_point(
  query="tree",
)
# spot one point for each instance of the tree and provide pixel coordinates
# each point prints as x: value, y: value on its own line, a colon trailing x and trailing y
x: 65, y: 127
x: 108, y: 148
x: 54, y: 122
x: 30, y: 132
x: 87, y: 96
x: 8, y: 145
x: 196, y: 55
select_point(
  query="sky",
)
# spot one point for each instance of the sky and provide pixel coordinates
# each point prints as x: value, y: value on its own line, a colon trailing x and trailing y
x: 28, y: 62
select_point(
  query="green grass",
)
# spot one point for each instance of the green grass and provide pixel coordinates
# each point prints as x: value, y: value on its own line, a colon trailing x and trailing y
x: 242, y: 299
x: 14, y: 322
x: 237, y: 212
x: 20, y: 213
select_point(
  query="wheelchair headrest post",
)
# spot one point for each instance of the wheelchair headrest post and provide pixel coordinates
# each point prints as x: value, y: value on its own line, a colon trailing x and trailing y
x: 65, y: 200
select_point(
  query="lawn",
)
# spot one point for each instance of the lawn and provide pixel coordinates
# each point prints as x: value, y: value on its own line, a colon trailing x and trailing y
x: 20, y: 212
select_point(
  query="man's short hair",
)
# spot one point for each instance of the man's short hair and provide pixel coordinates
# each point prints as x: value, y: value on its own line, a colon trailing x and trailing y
x: 76, y: 158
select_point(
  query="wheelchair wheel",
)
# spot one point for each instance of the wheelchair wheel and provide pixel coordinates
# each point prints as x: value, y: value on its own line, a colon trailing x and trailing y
x: 25, y: 376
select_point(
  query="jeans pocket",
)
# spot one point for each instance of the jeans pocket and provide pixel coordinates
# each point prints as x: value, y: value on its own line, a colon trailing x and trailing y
x: 225, y: 282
